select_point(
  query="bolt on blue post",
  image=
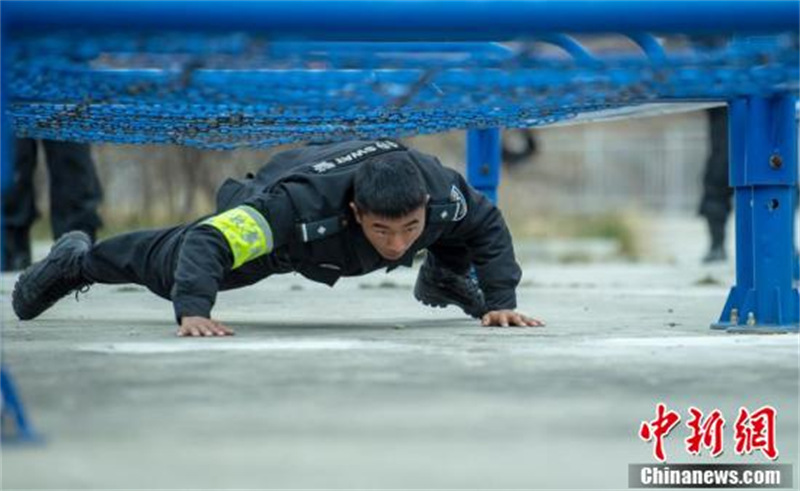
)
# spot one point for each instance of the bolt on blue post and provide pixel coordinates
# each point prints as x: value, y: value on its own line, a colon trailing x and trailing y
x: 763, y: 173
x: 483, y: 161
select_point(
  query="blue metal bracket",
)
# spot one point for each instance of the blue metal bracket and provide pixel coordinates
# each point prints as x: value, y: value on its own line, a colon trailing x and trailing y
x: 14, y: 425
x: 483, y: 161
x: 763, y: 172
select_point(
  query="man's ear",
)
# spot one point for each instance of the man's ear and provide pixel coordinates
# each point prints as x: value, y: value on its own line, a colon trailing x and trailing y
x: 356, y: 212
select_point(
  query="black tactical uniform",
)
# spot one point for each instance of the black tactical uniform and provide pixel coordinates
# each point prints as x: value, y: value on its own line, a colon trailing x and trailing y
x: 294, y: 215
x: 75, y: 194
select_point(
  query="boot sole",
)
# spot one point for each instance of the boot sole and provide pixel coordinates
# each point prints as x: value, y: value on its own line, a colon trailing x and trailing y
x: 37, y: 268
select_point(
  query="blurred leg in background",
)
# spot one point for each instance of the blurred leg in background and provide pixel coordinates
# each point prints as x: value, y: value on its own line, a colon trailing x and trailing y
x: 715, y: 204
x: 75, y: 191
x: 19, y: 207
x: 75, y: 194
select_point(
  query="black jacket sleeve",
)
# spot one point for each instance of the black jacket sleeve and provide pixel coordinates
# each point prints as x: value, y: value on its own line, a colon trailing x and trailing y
x: 484, y: 233
x: 205, y: 256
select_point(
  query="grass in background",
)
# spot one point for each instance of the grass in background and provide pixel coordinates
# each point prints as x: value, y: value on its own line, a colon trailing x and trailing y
x: 623, y: 228
x: 617, y: 227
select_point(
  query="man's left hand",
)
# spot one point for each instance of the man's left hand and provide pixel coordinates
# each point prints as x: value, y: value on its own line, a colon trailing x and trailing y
x: 505, y: 318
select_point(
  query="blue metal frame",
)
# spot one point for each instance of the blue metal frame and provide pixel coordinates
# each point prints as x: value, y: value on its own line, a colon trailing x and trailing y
x: 401, y: 20
x: 763, y: 173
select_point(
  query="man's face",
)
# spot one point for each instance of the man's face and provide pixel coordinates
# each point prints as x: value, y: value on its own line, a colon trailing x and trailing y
x: 391, y: 237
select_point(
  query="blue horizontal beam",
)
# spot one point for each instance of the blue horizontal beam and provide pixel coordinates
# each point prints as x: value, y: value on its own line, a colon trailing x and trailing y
x: 408, y: 20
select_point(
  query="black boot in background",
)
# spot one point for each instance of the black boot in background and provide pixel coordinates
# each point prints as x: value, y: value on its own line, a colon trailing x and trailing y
x: 717, y: 251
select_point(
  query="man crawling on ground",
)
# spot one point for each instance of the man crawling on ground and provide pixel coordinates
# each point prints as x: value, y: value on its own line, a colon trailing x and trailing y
x: 324, y: 211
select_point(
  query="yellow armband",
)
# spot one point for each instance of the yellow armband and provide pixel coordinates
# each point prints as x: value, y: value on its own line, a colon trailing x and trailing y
x: 247, y: 231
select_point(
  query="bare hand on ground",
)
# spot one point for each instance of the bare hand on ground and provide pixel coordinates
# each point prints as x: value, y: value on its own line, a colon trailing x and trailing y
x: 505, y: 318
x: 200, y: 326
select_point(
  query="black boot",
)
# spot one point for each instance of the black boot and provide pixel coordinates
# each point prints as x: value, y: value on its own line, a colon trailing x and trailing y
x: 439, y: 287
x: 715, y: 255
x: 52, y: 278
x: 717, y: 252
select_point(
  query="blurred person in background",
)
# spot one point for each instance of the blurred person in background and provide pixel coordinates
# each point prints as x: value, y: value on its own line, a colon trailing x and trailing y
x: 715, y: 205
x: 75, y: 194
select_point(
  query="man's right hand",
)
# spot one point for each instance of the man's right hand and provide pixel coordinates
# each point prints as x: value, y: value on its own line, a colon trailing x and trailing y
x: 201, y: 326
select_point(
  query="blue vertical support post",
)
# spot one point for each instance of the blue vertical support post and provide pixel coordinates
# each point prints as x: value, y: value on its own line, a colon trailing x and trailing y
x: 763, y: 173
x: 12, y: 411
x: 483, y: 161
x: 14, y: 425
x: 6, y: 141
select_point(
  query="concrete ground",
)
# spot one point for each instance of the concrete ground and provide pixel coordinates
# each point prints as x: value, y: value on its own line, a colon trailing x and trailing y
x: 361, y: 387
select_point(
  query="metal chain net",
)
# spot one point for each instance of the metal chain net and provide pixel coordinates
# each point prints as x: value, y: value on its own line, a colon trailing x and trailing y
x: 239, y: 90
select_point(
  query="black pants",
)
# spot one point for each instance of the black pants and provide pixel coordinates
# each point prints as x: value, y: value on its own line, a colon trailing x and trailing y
x: 75, y: 194
x: 146, y: 258
x: 715, y: 205
x: 150, y: 258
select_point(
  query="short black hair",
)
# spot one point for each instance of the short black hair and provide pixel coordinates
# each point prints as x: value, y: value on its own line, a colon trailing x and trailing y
x: 390, y: 186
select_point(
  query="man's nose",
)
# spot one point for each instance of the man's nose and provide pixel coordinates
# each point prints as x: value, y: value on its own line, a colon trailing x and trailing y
x: 397, y: 245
